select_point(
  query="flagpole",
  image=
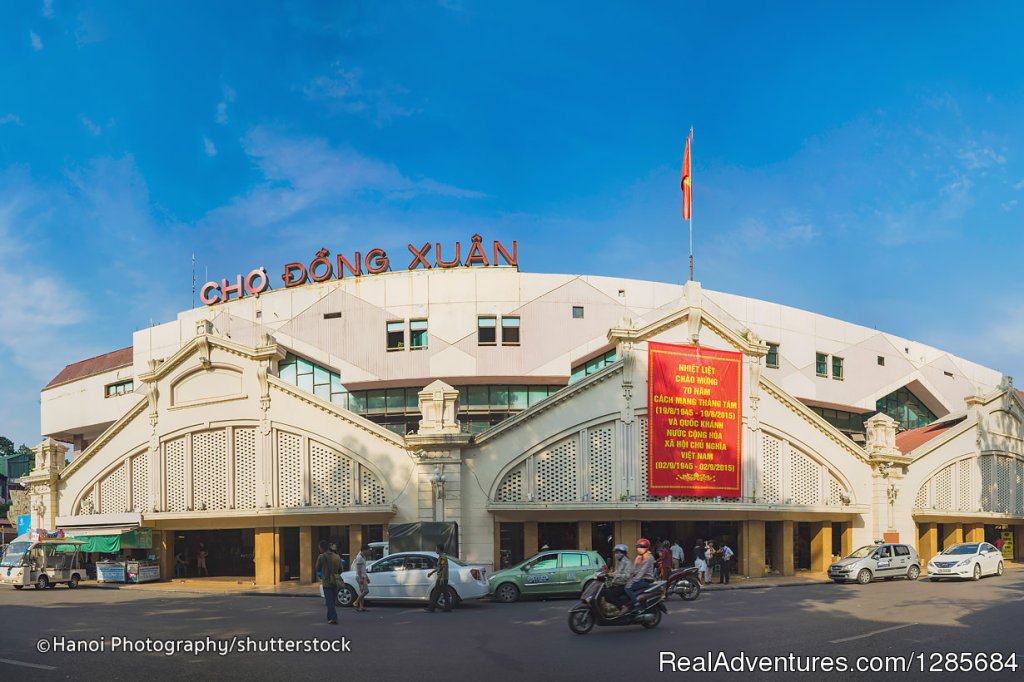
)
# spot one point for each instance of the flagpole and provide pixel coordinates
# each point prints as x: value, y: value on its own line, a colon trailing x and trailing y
x: 691, y: 203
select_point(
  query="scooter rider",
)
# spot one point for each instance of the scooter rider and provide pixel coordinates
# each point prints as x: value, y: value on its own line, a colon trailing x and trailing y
x: 615, y: 583
x: 643, y: 571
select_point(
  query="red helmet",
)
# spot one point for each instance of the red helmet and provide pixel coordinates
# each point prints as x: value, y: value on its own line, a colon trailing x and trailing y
x: 643, y: 543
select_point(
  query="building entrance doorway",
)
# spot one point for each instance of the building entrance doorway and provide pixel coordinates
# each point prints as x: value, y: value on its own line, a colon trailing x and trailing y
x: 802, y: 546
x: 558, y: 535
x: 229, y: 552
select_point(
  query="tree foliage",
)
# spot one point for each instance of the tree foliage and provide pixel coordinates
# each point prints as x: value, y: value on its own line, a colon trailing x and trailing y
x: 6, y: 447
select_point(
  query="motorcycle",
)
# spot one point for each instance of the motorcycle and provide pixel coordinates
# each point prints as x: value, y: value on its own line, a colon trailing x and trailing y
x: 684, y: 582
x: 593, y: 610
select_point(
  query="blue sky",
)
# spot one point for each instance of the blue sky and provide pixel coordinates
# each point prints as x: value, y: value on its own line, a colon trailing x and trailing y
x: 855, y: 159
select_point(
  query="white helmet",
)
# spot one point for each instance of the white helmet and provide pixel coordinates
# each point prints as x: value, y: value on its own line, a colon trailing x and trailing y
x: 620, y: 548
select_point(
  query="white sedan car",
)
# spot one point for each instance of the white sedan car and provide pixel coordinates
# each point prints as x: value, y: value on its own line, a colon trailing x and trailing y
x: 403, y: 577
x: 966, y: 560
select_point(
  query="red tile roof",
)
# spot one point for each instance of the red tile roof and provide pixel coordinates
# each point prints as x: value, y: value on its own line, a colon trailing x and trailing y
x: 914, y: 438
x: 96, y: 365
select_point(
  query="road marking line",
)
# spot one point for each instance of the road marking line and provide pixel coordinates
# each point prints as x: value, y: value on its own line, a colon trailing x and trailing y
x: 872, y: 633
x: 27, y: 665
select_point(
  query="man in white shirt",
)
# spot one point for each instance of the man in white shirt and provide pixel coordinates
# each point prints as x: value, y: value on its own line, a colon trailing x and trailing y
x: 677, y: 554
x: 362, y: 579
x: 725, y: 565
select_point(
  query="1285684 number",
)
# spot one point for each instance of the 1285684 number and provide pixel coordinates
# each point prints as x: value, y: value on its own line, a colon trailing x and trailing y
x: 967, y: 662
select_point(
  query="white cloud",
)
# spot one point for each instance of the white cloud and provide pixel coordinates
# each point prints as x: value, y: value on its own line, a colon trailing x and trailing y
x: 90, y: 126
x: 10, y: 118
x: 35, y: 301
x: 47, y: 8
x: 345, y: 89
x: 209, y: 147
x: 227, y: 97
x: 306, y: 177
x: 1019, y: 185
x: 1009, y: 205
x: 981, y: 157
x: 37, y: 42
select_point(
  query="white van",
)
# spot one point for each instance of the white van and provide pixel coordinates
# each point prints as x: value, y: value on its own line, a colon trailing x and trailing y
x: 42, y: 562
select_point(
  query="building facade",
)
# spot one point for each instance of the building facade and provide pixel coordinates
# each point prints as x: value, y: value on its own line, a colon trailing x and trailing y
x: 515, y: 405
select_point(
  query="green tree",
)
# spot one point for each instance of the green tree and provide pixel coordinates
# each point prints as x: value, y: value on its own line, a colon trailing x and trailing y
x: 6, y: 447
x: 26, y: 450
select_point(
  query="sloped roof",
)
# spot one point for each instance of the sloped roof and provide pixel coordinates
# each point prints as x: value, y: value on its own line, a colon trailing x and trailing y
x: 915, y: 438
x: 92, y: 366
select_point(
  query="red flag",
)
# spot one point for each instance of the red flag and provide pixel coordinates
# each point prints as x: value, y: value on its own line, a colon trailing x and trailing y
x: 685, y: 183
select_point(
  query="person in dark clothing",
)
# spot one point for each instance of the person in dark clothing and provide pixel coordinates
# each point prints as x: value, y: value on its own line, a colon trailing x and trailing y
x: 700, y: 560
x: 664, y: 561
x: 328, y: 565
x: 725, y: 555
x: 440, y: 583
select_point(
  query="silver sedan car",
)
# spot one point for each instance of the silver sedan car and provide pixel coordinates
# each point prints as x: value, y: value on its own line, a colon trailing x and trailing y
x: 881, y: 560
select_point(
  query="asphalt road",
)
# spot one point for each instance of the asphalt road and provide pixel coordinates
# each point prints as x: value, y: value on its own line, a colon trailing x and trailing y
x: 523, y: 641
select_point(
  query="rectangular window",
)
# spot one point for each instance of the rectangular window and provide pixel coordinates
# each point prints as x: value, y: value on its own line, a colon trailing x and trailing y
x: 487, y: 331
x: 821, y: 364
x: 396, y: 335
x: 477, y: 397
x: 837, y: 368
x: 772, y: 360
x: 510, y: 331
x: 499, y: 397
x: 417, y: 334
x: 375, y: 402
x: 537, y: 394
x: 120, y: 388
x: 577, y: 312
x: 881, y: 361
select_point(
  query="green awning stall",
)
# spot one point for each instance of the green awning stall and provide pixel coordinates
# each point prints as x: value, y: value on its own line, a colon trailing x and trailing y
x: 138, y: 538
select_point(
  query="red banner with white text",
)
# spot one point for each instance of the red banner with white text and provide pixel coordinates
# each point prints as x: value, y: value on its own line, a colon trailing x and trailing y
x: 694, y: 418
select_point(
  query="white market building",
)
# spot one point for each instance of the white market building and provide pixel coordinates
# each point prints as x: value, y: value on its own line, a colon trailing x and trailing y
x: 330, y: 410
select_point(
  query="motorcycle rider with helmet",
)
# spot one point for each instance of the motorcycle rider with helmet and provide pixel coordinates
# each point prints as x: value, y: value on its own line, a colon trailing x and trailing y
x: 615, y: 583
x: 643, y: 571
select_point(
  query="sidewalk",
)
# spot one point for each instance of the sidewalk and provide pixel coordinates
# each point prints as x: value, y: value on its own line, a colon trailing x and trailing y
x: 234, y: 585
x: 245, y: 586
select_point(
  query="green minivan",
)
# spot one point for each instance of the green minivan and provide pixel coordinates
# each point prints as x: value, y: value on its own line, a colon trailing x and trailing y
x: 551, y: 573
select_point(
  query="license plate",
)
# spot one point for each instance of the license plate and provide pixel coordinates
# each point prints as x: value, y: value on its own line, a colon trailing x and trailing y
x: 943, y: 570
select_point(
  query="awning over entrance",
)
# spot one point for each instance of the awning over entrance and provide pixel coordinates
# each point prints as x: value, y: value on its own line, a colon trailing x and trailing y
x: 107, y: 533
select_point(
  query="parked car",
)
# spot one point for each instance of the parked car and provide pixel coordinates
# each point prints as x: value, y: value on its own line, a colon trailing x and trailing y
x: 966, y: 560
x: 552, y: 573
x: 403, y: 577
x: 881, y: 560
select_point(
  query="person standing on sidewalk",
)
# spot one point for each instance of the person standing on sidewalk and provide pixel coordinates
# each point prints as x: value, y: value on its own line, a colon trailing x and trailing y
x: 441, y: 583
x: 201, y: 555
x: 700, y: 560
x: 328, y: 565
x: 362, y: 579
x: 678, y: 556
x: 725, y: 560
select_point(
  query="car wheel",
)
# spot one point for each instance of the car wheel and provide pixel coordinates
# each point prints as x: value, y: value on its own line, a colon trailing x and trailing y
x: 506, y: 593
x: 73, y: 583
x: 977, y: 572
x: 447, y: 599
x: 651, y: 623
x: 914, y: 573
x: 999, y: 568
x: 18, y: 587
x: 864, y: 577
x: 346, y: 596
x: 581, y: 622
x: 42, y: 583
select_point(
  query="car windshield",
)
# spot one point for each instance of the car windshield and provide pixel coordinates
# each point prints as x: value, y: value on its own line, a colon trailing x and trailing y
x: 864, y: 551
x: 15, y: 553
x: 961, y: 549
